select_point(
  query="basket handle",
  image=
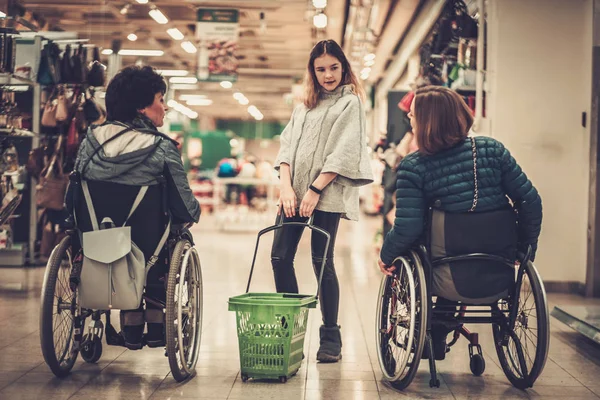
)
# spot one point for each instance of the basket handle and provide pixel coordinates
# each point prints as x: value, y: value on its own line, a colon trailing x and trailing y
x: 280, y: 224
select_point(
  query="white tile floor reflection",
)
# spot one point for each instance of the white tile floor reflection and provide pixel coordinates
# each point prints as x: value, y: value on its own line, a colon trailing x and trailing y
x: 572, y: 371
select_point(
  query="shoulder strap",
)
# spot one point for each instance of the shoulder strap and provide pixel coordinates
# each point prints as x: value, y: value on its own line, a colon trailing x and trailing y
x: 154, y: 258
x: 90, y: 205
x: 97, y: 149
x: 136, y: 203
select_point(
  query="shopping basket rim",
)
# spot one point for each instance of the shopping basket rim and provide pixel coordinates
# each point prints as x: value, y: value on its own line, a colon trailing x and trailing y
x: 274, y: 299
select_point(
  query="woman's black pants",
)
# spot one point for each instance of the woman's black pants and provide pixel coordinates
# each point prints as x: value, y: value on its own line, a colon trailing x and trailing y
x: 285, y: 245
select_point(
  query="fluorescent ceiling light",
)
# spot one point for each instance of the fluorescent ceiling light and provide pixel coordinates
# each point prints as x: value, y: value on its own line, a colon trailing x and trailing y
x: 135, y: 52
x: 107, y: 52
x: 252, y: 110
x: 183, y: 79
x: 189, y: 47
x: 142, y: 1
x: 192, y: 96
x: 2, y: 15
x: 370, y: 57
x: 132, y: 36
x: 365, y: 71
x: 175, y: 34
x: 259, y: 117
x: 173, y: 72
x: 199, y: 102
x: 158, y: 16
x: 226, y: 85
x: 319, y: 3
x: 320, y: 21
x: 184, y: 86
x: 238, y: 95
x: 369, y: 63
x: 244, y: 101
x: 182, y: 109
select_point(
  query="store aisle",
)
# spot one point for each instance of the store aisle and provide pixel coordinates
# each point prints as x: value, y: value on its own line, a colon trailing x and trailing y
x: 572, y: 370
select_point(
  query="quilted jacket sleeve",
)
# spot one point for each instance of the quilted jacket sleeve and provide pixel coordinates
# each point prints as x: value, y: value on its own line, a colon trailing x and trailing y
x: 183, y: 205
x: 410, y: 212
x: 526, y: 199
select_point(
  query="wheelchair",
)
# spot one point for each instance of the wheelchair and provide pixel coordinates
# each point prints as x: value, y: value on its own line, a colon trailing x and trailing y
x: 63, y: 330
x: 406, y: 311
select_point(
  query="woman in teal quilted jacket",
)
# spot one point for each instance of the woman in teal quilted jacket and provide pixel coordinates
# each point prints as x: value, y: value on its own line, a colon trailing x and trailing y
x: 442, y: 174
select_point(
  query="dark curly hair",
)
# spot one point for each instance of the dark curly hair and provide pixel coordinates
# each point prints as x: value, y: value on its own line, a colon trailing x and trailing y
x: 132, y: 89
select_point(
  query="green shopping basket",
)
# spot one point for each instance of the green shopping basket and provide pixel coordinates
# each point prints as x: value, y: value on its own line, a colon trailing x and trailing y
x: 271, y: 326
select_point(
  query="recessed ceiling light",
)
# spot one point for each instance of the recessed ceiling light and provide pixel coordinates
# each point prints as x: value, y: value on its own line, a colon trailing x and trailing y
x: 320, y: 21
x: 175, y: 34
x: 319, y: 3
x: 189, y: 47
x: 370, y: 57
x: 132, y: 36
x: 107, y: 52
x: 142, y: 1
x: 226, y: 85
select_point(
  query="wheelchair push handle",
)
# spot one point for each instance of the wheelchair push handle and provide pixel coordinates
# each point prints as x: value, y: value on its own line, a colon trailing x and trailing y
x: 281, y: 224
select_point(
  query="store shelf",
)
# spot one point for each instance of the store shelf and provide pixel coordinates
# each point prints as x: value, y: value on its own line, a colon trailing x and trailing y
x: 15, y: 256
x: 16, y: 132
x: 11, y: 80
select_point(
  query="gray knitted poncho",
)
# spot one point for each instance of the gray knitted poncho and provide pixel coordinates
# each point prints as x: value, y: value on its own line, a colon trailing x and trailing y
x: 328, y: 138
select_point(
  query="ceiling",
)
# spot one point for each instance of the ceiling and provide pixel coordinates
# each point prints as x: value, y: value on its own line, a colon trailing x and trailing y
x: 272, y: 55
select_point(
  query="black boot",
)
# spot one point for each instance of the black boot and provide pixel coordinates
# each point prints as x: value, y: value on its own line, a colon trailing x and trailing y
x: 330, y: 350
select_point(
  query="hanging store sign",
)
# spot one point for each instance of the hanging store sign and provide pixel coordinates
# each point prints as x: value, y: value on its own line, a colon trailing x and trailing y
x: 217, y: 31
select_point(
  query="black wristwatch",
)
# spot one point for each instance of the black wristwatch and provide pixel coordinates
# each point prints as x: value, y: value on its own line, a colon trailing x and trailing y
x: 314, y: 189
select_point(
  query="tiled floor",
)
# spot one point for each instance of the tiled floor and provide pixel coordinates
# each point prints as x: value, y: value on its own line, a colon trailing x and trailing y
x: 572, y: 370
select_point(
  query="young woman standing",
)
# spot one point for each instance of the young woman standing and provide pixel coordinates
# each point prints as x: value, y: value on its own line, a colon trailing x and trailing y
x: 322, y: 161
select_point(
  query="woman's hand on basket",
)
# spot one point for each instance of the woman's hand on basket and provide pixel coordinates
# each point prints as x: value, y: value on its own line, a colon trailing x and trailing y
x: 385, y: 269
x: 309, y: 202
x: 287, y: 202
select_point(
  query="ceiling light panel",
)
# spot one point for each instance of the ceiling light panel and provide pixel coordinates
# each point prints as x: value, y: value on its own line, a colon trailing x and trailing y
x: 175, y: 33
x: 158, y: 16
x: 189, y: 47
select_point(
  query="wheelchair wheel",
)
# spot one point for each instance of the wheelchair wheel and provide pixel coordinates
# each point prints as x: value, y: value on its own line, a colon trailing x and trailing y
x: 58, y: 308
x: 523, y: 351
x: 184, y: 311
x: 401, y: 321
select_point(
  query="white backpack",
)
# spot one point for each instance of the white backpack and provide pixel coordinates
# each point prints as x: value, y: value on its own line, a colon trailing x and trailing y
x: 114, y: 269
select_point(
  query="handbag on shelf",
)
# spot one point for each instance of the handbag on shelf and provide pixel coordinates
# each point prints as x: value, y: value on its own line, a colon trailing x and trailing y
x: 72, y: 139
x: 49, y: 114
x: 95, y: 76
x: 62, y: 107
x: 53, y: 183
x: 66, y: 66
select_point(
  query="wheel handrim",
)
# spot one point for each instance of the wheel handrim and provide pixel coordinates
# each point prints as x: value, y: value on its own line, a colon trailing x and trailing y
x: 397, y: 334
x: 188, y: 314
x: 527, y: 327
x: 62, y: 318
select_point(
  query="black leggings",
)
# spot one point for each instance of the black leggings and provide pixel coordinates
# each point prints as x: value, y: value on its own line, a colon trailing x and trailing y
x: 285, y: 245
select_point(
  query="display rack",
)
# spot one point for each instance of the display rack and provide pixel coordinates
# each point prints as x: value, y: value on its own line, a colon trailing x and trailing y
x: 19, y: 254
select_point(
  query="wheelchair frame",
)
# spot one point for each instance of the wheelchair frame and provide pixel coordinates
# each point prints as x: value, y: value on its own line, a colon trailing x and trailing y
x: 503, y: 321
x: 182, y: 346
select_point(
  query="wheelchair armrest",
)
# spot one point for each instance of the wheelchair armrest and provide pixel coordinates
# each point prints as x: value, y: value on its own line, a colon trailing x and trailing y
x: 524, y: 258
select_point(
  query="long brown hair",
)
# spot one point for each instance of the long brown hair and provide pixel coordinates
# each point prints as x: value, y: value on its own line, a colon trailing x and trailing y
x: 312, y: 87
x: 443, y: 119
